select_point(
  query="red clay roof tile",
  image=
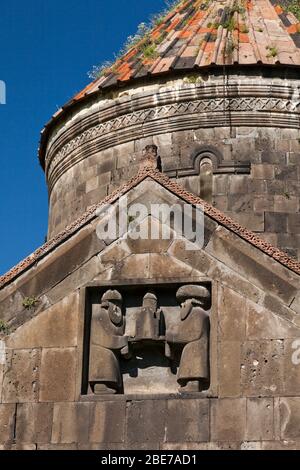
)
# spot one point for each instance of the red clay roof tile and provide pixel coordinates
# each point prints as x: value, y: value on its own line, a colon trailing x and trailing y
x: 214, y: 30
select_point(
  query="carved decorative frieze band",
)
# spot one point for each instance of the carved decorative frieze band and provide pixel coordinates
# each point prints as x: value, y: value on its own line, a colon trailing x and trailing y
x: 175, y: 116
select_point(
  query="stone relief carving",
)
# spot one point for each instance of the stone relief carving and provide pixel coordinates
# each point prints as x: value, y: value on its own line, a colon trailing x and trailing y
x: 162, y: 342
x: 106, y: 344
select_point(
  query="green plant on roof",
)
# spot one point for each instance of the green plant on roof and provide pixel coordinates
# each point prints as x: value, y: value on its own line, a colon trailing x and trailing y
x: 192, y: 79
x: 244, y: 29
x: 29, y: 302
x: 149, y: 51
x: 230, y: 47
x: 273, y: 52
x: 292, y: 6
x: 140, y: 40
x: 4, y: 328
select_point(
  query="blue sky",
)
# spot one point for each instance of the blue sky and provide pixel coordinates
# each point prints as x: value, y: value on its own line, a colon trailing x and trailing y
x: 46, y: 49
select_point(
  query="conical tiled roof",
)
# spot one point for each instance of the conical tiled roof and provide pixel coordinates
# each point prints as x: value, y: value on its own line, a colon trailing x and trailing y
x: 201, y: 33
x: 197, y: 34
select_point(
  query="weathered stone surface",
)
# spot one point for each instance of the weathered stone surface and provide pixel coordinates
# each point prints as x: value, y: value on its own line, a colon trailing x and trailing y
x: 163, y: 265
x: 260, y: 419
x: 71, y: 423
x: 151, y: 412
x: 197, y: 259
x: 187, y: 420
x: 254, y: 265
x: 228, y: 419
x: 155, y: 237
x: 200, y: 446
x: 34, y: 422
x: 291, y: 379
x: 7, y: 422
x: 232, y: 315
x: 62, y: 447
x: 107, y: 422
x: 56, y: 327
x: 227, y: 277
x: 229, y: 377
x: 58, y: 375
x: 77, y: 279
x: 21, y: 376
x: 290, y: 417
x: 264, y: 324
x: 62, y: 262
x: 262, y: 368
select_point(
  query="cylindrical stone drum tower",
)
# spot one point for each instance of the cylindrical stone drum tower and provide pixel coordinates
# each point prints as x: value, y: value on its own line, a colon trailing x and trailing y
x: 215, y: 85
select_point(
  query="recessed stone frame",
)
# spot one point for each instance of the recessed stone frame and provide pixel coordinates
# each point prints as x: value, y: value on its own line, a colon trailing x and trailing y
x: 220, y: 166
x: 86, y: 295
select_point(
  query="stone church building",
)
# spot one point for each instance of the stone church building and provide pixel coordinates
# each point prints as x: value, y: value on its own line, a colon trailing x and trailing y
x: 119, y: 342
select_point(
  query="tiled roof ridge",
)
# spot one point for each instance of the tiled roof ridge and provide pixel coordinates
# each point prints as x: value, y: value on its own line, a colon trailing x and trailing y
x: 145, y: 172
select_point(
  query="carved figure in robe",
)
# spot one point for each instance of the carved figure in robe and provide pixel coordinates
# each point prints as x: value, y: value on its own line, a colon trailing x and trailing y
x: 193, y: 333
x: 107, y: 343
x: 148, y: 319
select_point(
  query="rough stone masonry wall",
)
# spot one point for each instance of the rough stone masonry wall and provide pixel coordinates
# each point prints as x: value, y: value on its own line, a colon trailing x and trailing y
x: 254, y: 121
x: 254, y: 398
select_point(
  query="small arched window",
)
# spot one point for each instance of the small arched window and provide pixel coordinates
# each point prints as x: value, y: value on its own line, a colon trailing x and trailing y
x: 206, y: 179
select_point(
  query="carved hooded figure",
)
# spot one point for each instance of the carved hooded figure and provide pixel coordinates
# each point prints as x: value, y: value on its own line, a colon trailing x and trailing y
x: 148, y: 320
x: 107, y: 341
x: 193, y: 333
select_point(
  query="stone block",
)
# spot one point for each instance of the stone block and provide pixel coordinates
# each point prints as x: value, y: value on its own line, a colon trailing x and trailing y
x: 58, y: 375
x: 34, y: 422
x: 132, y: 267
x: 257, y: 186
x: 274, y: 187
x: 252, y: 264
x: 187, y: 420
x: 240, y: 203
x: 229, y: 369
x: 220, y: 202
x: 197, y: 259
x: 288, y: 204
x: 92, y: 184
x: 291, y: 382
x: 71, y: 423
x: 55, y: 327
x: 286, y: 172
x: 293, y: 223
x: 152, y: 239
x: 226, y: 276
x: 263, y: 171
x: 21, y: 376
x: 260, y: 419
x: 290, y: 418
x: 166, y: 266
x: 201, y: 446
x: 146, y: 421
x: 228, y: 419
x: 263, y: 203
x: 232, y: 315
x: 252, y: 221
x: 66, y: 259
x: 264, y: 324
x: 61, y: 447
x: 7, y: 422
x: 262, y: 368
x: 107, y: 422
x: 220, y: 184
x: 78, y: 278
x: 237, y: 184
